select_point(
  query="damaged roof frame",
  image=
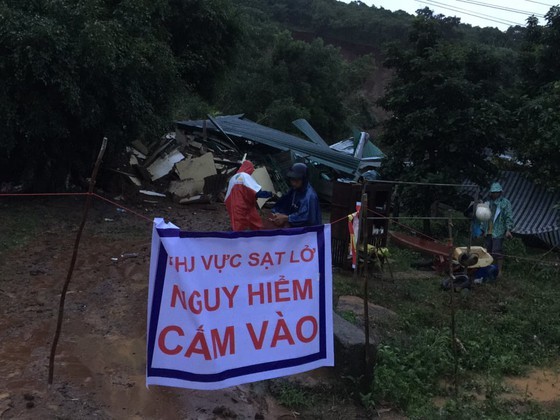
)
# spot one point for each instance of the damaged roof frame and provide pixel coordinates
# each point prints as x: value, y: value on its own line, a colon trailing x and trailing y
x: 238, y: 127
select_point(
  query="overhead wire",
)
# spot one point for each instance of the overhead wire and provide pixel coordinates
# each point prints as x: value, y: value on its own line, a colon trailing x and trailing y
x: 482, y: 15
x: 469, y: 13
x: 499, y: 7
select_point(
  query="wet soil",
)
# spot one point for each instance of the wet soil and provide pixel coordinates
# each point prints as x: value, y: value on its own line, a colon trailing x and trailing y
x: 100, y: 363
x: 540, y: 385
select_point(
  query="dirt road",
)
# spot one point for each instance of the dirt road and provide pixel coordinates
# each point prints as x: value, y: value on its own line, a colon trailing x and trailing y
x: 100, y: 364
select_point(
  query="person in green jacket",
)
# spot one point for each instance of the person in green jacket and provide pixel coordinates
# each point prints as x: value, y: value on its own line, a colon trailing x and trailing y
x: 499, y: 226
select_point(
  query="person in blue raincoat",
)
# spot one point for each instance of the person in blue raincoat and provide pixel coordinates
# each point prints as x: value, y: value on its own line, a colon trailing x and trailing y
x: 300, y: 206
x: 499, y: 226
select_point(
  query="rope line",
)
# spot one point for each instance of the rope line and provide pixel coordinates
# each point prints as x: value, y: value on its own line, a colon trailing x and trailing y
x: 123, y: 207
x: 539, y: 261
x: 339, y: 220
x: 428, y: 184
x: 380, y: 216
x: 43, y: 194
x: 78, y: 194
x: 407, y: 227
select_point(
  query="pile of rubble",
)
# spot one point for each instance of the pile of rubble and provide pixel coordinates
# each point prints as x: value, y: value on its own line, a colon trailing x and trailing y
x: 194, y: 164
x: 186, y: 170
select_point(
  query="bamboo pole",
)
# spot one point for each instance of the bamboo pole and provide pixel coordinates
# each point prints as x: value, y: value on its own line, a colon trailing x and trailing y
x: 365, y: 234
x: 358, y: 238
x: 87, y: 205
x: 473, y: 221
x: 452, y: 303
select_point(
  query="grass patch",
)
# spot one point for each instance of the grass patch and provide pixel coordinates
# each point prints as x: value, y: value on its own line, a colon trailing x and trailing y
x: 402, y: 258
x: 343, y: 285
x: 292, y: 396
x: 503, y: 329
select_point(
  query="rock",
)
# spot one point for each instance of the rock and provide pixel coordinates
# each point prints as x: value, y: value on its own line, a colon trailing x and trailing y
x: 225, y: 412
x: 349, y: 348
x: 355, y: 305
x: 382, y: 320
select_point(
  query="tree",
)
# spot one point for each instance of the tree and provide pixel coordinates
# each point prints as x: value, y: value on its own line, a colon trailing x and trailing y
x: 538, y: 139
x: 74, y: 71
x: 203, y: 37
x: 448, y: 110
x: 277, y: 79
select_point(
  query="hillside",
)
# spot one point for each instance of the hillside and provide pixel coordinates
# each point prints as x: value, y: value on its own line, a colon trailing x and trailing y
x: 359, y: 30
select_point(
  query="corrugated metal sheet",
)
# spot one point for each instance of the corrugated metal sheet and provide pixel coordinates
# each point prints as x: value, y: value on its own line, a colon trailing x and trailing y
x: 370, y: 152
x: 236, y: 126
x: 533, y: 208
x: 304, y: 126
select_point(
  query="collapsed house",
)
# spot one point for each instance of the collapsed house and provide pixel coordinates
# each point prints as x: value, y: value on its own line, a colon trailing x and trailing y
x: 194, y: 163
x: 348, y: 159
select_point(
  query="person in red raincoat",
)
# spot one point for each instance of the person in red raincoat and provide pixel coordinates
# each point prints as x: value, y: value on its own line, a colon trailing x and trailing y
x: 241, y: 199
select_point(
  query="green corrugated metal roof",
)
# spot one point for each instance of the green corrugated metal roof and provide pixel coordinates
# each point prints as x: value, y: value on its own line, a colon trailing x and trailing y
x: 236, y: 126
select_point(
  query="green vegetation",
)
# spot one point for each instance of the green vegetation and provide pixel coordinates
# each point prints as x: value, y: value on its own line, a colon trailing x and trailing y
x: 277, y: 79
x: 456, y: 104
x: 448, y: 106
x: 125, y: 69
x: 74, y: 71
x: 503, y: 330
x: 292, y: 395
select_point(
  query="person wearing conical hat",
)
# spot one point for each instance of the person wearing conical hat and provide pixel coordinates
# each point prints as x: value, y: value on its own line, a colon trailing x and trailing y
x: 500, y: 224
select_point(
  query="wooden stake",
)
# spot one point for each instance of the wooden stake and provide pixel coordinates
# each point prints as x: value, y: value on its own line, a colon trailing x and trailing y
x: 365, y: 234
x: 473, y: 221
x: 358, y: 239
x: 452, y: 302
x: 87, y: 205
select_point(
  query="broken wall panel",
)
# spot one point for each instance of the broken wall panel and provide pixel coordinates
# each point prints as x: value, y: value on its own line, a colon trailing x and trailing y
x: 262, y: 177
x: 164, y: 164
x: 187, y: 188
x: 196, y: 168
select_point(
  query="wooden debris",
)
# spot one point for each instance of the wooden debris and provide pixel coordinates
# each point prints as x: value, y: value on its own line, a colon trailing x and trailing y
x: 164, y: 165
x: 197, y: 168
x: 140, y: 147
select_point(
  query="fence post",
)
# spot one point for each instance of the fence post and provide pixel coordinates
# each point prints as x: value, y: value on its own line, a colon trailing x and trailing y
x: 452, y: 303
x: 87, y: 205
x: 365, y: 235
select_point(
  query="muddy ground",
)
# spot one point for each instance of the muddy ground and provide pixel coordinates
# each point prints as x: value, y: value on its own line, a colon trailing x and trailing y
x: 100, y: 364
